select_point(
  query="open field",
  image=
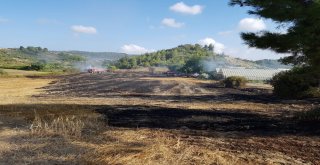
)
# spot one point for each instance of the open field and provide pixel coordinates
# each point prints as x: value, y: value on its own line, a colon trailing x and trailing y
x: 136, y: 118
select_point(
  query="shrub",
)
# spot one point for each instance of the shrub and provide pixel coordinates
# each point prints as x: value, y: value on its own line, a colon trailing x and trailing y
x: 35, y: 66
x: 296, y: 83
x: 112, y: 68
x: 312, y: 92
x: 235, y: 82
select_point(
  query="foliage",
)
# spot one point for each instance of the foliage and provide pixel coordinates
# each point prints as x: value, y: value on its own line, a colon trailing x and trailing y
x: 301, y: 41
x: 174, y: 58
x: 235, y: 82
x: 66, y: 57
x: 295, y: 83
x: 302, y: 20
x: 33, y: 50
x: 48, y: 67
x: 112, y: 68
x: 193, y: 65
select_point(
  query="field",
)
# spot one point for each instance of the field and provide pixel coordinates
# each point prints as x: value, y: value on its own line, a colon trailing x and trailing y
x: 138, y: 118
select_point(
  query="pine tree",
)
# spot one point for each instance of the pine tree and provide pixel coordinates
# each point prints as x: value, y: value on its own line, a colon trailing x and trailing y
x: 302, y: 39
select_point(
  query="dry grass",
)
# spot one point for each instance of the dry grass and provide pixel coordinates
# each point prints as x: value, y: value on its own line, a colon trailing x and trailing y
x: 23, y: 73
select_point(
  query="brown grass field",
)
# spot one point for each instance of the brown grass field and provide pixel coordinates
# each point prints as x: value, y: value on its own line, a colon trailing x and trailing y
x: 137, y: 118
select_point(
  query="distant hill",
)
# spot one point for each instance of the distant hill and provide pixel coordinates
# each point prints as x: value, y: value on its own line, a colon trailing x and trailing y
x: 178, y: 57
x: 112, y: 56
x: 25, y: 57
x: 267, y: 63
x: 20, y: 58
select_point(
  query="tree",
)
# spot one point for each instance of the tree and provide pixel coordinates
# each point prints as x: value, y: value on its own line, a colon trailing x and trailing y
x: 210, y: 47
x: 301, y: 41
x: 193, y: 65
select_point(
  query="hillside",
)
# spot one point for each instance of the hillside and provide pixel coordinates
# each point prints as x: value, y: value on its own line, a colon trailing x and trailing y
x: 189, y: 58
x: 99, y: 55
x: 26, y: 58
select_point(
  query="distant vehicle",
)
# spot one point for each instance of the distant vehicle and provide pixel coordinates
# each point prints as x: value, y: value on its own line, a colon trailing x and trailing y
x: 96, y: 70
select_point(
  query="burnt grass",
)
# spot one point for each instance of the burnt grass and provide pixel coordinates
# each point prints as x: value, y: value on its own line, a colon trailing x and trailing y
x: 246, y: 123
x: 113, y: 85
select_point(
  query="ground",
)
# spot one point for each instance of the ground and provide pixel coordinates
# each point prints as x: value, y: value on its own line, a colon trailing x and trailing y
x: 138, y: 118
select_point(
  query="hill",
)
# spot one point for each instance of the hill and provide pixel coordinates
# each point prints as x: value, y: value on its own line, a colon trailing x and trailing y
x: 37, y: 58
x: 192, y: 58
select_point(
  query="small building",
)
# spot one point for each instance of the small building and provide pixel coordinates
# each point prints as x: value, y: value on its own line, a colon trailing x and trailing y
x: 250, y: 74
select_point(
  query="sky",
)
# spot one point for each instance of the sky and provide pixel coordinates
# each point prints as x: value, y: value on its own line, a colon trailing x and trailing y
x: 130, y: 26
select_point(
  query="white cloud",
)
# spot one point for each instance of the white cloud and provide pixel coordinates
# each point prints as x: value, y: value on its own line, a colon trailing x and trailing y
x: 252, y: 24
x: 170, y: 22
x: 218, y: 47
x: 181, y: 7
x: 84, y: 29
x: 134, y: 49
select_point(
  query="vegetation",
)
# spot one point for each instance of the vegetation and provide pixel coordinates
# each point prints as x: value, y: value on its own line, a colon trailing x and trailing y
x: 190, y: 59
x: 295, y: 83
x: 174, y: 58
x: 41, y: 59
x: 301, y: 41
x: 235, y: 82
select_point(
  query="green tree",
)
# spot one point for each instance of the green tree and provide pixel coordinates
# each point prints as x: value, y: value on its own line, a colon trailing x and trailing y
x: 193, y: 65
x: 302, y: 19
x: 301, y: 41
x: 210, y: 47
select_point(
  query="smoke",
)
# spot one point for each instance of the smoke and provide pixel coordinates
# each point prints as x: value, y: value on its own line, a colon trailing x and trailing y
x: 210, y: 64
x: 91, y: 62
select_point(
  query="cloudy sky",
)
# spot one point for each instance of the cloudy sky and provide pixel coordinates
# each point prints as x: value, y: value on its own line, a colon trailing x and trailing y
x: 129, y: 26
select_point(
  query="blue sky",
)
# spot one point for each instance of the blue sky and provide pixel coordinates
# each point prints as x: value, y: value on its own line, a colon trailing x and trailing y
x: 131, y: 26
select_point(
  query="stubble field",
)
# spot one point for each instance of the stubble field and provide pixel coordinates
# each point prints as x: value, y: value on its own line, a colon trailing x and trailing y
x: 137, y: 118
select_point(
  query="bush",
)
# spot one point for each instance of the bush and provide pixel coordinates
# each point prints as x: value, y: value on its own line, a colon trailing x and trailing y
x: 235, y: 82
x: 296, y: 83
x: 312, y: 92
x: 35, y: 66
x: 112, y: 68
